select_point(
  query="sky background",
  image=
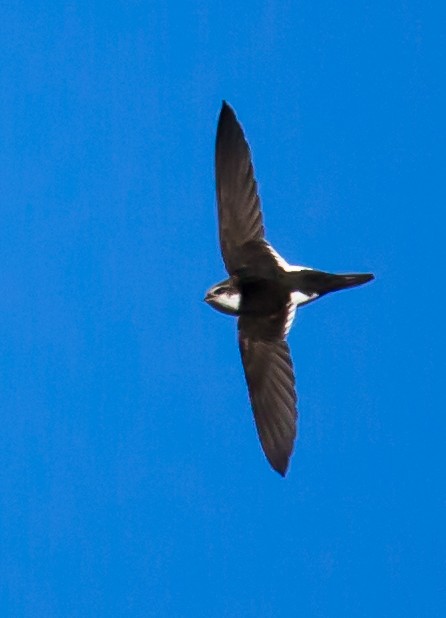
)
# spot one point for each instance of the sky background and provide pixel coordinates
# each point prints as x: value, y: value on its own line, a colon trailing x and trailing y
x: 132, y: 483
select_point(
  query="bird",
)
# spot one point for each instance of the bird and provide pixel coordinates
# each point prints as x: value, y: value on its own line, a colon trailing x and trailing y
x: 263, y: 291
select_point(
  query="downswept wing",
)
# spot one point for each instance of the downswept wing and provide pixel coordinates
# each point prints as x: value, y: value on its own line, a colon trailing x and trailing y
x: 239, y: 213
x: 271, y: 384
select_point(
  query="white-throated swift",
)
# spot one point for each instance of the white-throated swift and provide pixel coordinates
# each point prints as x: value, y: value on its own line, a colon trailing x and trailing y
x: 263, y: 291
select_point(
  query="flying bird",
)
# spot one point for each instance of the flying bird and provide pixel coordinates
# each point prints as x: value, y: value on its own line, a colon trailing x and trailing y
x: 263, y: 291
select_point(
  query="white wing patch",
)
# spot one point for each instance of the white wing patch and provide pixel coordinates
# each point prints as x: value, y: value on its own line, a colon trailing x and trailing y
x: 283, y: 263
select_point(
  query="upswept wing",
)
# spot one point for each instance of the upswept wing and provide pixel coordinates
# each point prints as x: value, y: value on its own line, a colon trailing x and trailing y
x: 239, y: 213
x: 271, y: 384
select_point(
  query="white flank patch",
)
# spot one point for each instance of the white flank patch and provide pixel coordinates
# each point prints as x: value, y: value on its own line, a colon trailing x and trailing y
x: 289, y: 318
x: 299, y: 298
x: 283, y: 263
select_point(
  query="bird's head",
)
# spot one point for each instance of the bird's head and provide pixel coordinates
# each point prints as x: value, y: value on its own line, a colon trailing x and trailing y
x: 224, y: 297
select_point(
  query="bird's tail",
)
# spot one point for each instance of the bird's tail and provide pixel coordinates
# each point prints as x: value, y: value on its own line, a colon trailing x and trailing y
x: 334, y: 283
x: 320, y: 283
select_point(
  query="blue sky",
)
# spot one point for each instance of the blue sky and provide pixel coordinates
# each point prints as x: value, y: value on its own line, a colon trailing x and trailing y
x: 131, y: 479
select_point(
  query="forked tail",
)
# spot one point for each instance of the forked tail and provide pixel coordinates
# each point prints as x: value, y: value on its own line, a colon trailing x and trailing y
x: 320, y: 283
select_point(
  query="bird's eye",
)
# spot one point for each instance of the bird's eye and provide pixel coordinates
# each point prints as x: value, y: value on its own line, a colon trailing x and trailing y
x: 219, y: 291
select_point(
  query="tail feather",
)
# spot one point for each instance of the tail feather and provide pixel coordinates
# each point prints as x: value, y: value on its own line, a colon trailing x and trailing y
x: 333, y: 283
x: 320, y: 283
x: 349, y: 281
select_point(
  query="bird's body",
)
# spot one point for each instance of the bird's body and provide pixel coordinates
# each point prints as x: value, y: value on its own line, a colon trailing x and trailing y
x: 263, y: 290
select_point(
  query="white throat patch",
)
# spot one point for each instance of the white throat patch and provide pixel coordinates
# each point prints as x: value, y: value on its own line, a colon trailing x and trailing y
x: 229, y: 301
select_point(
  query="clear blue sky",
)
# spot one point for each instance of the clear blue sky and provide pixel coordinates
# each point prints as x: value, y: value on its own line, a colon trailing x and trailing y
x: 132, y: 483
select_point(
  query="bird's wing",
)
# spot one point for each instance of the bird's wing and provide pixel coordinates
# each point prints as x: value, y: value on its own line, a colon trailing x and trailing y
x: 239, y: 213
x: 271, y: 384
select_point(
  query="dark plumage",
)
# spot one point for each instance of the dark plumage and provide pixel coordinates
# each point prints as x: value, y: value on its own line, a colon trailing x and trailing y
x: 263, y: 291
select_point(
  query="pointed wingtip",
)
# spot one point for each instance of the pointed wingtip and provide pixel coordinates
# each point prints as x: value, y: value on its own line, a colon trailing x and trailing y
x: 281, y: 471
x: 225, y: 107
x: 227, y: 117
x: 281, y: 467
